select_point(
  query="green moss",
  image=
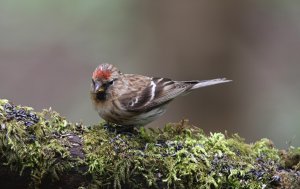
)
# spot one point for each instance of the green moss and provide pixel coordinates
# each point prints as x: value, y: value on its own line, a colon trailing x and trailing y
x: 39, y: 148
x: 177, y: 156
x: 291, y: 158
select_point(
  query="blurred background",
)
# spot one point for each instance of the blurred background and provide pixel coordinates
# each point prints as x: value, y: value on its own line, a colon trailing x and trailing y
x: 48, y: 50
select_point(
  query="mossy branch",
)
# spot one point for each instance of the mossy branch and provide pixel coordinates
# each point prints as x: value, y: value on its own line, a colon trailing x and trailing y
x: 44, y: 150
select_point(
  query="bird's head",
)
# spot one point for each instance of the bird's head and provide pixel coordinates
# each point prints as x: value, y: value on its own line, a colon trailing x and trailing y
x: 103, y: 77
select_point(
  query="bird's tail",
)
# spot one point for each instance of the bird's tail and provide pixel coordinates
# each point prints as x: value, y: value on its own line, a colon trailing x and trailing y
x: 205, y: 83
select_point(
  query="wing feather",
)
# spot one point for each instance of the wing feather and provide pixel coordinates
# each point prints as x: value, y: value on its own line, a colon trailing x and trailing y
x: 157, y: 92
x: 148, y: 93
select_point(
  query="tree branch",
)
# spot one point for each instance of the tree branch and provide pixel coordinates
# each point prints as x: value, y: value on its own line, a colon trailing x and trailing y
x: 44, y: 150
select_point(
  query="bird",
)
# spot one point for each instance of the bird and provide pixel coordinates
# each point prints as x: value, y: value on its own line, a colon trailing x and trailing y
x: 132, y: 100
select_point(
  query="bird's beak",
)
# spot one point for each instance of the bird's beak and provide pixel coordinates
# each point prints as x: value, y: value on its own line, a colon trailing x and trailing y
x: 98, y: 87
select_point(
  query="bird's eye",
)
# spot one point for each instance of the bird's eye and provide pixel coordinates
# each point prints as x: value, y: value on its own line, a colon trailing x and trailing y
x: 111, y: 82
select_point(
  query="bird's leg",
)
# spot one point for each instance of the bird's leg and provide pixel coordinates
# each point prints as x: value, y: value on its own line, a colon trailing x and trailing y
x: 120, y: 129
x: 128, y: 129
x: 110, y: 127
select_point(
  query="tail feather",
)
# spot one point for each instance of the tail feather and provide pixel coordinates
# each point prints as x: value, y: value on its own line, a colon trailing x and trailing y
x: 205, y: 83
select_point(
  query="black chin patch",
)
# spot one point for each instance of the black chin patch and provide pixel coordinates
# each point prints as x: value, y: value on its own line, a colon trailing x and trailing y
x: 101, y: 96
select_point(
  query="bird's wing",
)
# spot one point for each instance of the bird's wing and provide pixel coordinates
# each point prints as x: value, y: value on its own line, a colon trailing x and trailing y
x: 148, y: 93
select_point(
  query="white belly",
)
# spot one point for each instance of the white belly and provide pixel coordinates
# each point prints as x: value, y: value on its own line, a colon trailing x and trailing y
x: 147, y: 117
x: 131, y: 118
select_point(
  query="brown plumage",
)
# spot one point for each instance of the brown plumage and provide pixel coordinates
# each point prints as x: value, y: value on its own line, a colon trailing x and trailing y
x: 136, y: 100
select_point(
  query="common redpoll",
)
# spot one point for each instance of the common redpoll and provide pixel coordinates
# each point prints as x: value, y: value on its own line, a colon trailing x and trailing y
x: 136, y: 100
